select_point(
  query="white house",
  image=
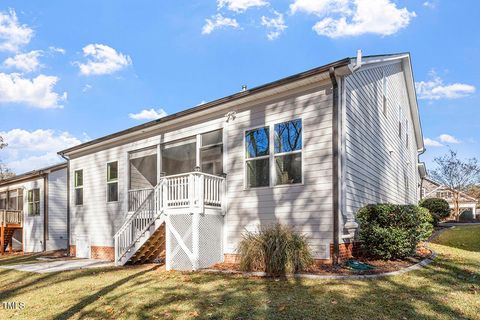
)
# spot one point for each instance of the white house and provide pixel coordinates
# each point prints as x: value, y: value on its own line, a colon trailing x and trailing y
x: 33, y: 210
x: 308, y: 150
x: 466, y: 203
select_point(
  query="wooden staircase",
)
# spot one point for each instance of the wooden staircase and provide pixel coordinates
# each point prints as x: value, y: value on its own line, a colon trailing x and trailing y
x: 152, y: 250
x: 7, y: 239
x: 10, y: 220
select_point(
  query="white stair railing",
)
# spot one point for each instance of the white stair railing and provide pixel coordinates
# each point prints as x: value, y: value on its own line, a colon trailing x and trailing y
x: 139, y: 222
x: 189, y: 192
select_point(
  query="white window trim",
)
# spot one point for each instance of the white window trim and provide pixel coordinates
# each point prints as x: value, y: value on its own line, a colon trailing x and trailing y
x: 33, y: 202
x: 79, y: 187
x: 271, y: 156
x: 112, y: 181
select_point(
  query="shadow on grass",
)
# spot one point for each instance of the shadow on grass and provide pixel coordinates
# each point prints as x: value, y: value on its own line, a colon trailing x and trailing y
x: 146, y: 293
x: 88, y: 300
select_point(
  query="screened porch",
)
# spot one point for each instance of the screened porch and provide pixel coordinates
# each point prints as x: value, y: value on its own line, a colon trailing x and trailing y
x: 203, y: 152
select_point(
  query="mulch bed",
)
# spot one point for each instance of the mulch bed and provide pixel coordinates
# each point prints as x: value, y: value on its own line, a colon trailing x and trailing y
x: 380, y: 266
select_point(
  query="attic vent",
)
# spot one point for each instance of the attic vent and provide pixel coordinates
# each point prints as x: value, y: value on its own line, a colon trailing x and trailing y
x: 244, y: 87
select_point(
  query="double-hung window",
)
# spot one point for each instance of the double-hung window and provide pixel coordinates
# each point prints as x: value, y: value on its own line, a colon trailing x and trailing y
x: 78, y: 186
x: 276, y: 163
x: 33, y: 198
x: 257, y: 154
x: 288, y: 152
x: 112, y: 181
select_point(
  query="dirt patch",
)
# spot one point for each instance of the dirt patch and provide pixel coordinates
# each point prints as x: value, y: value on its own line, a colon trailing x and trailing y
x: 379, y: 266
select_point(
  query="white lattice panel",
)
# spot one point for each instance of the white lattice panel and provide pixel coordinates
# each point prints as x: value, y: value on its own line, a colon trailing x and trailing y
x: 182, y: 223
x: 211, y: 236
x: 210, y: 243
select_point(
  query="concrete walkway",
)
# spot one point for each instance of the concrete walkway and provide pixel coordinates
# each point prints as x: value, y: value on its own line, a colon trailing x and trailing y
x: 59, y: 265
x: 458, y: 224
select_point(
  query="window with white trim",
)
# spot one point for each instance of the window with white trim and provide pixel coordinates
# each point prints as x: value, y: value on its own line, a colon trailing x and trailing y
x: 112, y: 181
x: 257, y: 157
x: 33, y: 198
x: 288, y: 152
x: 78, y: 186
x: 282, y: 159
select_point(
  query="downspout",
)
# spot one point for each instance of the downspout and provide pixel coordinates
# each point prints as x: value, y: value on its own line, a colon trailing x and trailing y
x: 45, y: 210
x: 68, y: 201
x: 335, y: 174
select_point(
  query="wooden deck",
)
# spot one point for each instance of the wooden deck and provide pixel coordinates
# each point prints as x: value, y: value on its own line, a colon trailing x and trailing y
x: 10, y: 221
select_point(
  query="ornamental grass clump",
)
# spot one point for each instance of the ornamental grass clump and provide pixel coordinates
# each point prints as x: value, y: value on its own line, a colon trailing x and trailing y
x: 276, y: 250
x: 389, y: 231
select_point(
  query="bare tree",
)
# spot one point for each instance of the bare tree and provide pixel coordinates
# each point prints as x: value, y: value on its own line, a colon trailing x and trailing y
x: 4, y: 171
x: 457, y: 175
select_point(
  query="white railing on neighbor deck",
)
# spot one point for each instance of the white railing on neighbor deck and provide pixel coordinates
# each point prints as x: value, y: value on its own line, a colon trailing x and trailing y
x: 190, y: 191
x: 9, y: 217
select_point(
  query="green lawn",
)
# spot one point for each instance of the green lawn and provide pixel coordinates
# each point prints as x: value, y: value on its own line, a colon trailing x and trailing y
x: 447, y: 289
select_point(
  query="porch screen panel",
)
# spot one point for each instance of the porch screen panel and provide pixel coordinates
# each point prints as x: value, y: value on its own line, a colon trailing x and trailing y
x: 179, y: 156
x: 12, y: 200
x: 211, y: 152
x: 3, y: 200
x: 143, y: 169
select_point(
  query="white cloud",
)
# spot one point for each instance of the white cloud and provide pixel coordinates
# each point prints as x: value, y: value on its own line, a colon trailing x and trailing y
x: 12, y: 34
x: 57, y: 50
x: 435, y: 89
x: 87, y: 88
x: 217, y: 22
x: 446, y: 138
x: 320, y: 8
x: 429, y: 4
x: 102, y: 59
x: 240, y: 5
x: 29, y: 150
x: 276, y: 25
x: 148, y: 114
x: 26, y: 62
x: 355, y: 17
x: 37, y: 92
x: 432, y: 143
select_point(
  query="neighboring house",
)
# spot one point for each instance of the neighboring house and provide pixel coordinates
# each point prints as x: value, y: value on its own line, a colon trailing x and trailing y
x: 308, y: 151
x: 33, y: 210
x: 433, y: 189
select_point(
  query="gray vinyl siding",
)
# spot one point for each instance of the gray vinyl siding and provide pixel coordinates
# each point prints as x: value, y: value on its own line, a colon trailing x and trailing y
x: 308, y: 206
x: 57, y: 210
x: 378, y: 163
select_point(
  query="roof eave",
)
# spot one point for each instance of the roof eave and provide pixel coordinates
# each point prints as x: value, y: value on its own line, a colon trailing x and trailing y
x: 152, y: 125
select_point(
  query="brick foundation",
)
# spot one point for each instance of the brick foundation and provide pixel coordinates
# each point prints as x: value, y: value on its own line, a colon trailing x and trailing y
x: 72, y: 251
x: 346, y: 250
x: 102, y: 253
x: 96, y: 252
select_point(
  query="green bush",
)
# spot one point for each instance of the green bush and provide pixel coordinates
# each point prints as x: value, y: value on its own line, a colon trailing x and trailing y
x: 438, y: 208
x: 276, y: 249
x: 389, y: 231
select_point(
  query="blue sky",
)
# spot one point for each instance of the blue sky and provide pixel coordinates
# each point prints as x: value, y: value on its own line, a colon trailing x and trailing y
x: 71, y: 71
